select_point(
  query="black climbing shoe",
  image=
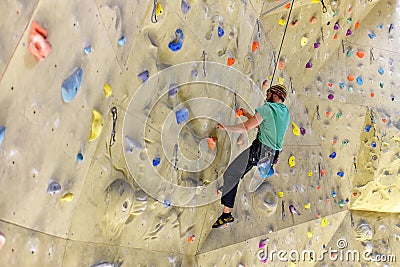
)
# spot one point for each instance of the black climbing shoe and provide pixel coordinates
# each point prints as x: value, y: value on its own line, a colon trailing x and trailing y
x: 222, y: 220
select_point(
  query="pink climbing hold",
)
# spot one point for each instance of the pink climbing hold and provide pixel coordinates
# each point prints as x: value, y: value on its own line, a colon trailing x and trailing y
x: 2, y: 240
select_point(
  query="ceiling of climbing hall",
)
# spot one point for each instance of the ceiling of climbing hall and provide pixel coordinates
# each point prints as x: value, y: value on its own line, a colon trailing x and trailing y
x: 108, y: 141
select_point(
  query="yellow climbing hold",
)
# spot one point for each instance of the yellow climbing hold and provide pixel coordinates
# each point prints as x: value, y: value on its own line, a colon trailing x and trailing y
x: 107, y: 90
x: 324, y: 222
x: 159, y: 9
x: 304, y: 41
x: 281, y: 80
x: 291, y: 161
x: 97, y: 125
x: 282, y: 22
x: 68, y: 197
x: 309, y: 173
x: 307, y: 206
x: 296, y: 129
x: 315, y: 1
x: 270, y: 77
x: 280, y: 194
x: 292, y: 264
x: 309, y: 234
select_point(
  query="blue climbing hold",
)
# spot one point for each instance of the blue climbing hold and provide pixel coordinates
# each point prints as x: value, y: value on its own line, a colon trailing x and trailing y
x: 144, y: 76
x: 340, y: 174
x: 70, y: 86
x: 185, y: 7
x: 122, y: 41
x: 87, y: 50
x: 79, y: 157
x: 359, y: 80
x: 380, y: 26
x: 367, y: 128
x: 220, y: 31
x: 182, y: 115
x: 156, y: 161
x: 333, y: 155
x: 373, y: 144
x: 176, y: 44
x: 166, y: 203
x: 342, y: 85
x: 371, y: 35
x: 2, y: 133
x: 173, y: 90
x: 333, y: 193
x: 381, y: 71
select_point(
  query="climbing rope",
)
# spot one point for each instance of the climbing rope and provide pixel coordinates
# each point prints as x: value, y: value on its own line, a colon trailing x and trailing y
x: 280, y: 47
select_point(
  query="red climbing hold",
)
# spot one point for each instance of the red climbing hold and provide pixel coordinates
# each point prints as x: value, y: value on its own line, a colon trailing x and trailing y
x: 39, y: 46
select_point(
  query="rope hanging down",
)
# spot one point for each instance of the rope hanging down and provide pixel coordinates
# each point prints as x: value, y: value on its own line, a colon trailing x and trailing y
x: 280, y: 47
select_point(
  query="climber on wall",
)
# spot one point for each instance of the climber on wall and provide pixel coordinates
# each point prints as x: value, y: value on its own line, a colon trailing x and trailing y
x: 272, y: 120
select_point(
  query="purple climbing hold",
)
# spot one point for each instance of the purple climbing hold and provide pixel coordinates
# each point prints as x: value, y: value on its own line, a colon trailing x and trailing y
x: 144, y: 76
x: 302, y: 131
x: 317, y: 44
x: 349, y: 32
x: 331, y: 96
x: 336, y: 26
x: 309, y: 65
x: 173, y: 90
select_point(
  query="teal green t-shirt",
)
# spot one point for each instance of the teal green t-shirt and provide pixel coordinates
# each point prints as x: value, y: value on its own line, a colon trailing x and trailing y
x: 272, y: 129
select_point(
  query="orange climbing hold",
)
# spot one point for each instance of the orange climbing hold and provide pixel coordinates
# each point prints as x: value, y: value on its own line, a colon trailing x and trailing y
x: 281, y: 65
x: 335, y: 36
x: 39, y: 46
x: 211, y: 141
x: 254, y: 46
x: 330, y: 84
x: 360, y: 54
x: 239, y: 112
x: 356, y: 25
x: 384, y: 120
x: 313, y: 19
x: 355, y: 194
x: 372, y: 94
x: 287, y: 6
x: 323, y: 172
x: 328, y: 113
x: 350, y: 77
x: 319, y: 187
x: 231, y: 61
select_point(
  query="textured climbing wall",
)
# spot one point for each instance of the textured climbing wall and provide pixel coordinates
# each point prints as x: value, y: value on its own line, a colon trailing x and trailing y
x: 86, y: 133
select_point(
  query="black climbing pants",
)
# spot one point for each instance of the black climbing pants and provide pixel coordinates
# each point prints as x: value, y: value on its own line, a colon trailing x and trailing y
x: 237, y: 169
